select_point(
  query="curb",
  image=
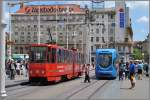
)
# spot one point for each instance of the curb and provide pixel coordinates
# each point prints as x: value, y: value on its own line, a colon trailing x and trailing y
x: 25, y: 82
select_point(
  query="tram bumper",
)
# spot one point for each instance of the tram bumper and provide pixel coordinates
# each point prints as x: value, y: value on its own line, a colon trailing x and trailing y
x: 104, y: 74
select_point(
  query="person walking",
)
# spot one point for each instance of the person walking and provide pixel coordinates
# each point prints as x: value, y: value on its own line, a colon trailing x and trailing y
x: 140, y: 70
x: 18, y: 69
x: 126, y: 70
x: 12, y: 70
x: 87, y: 78
x: 132, y: 74
x: 121, y: 70
x: 146, y: 69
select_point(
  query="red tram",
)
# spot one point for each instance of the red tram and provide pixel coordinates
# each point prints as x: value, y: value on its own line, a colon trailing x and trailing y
x: 53, y: 63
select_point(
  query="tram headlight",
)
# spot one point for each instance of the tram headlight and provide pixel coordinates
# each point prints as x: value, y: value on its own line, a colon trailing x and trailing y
x: 43, y: 72
x: 37, y: 71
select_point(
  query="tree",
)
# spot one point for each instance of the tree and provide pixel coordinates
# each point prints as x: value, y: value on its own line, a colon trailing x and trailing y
x: 137, y: 54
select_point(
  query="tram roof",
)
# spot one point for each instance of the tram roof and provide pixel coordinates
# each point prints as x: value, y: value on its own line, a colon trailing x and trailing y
x: 105, y: 50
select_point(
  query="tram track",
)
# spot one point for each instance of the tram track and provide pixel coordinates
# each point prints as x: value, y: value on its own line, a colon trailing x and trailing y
x: 82, y: 89
x: 98, y: 89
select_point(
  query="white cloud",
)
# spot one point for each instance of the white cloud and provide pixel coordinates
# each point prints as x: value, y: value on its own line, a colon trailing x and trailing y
x: 109, y: 4
x: 137, y: 4
x: 143, y: 19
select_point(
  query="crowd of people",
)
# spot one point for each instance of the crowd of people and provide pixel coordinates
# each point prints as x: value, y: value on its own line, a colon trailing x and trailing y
x: 132, y: 70
x: 16, y: 69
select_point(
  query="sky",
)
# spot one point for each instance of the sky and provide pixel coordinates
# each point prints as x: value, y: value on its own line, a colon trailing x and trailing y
x: 139, y: 14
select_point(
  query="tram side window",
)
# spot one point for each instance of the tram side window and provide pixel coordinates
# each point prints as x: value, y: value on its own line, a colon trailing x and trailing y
x: 65, y: 56
x: 58, y: 55
x: 53, y: 55
x: 79, y: 58
x: 49, y: 55
x: 75, y: 57
x: 69, y: 56
x: 62, y: 56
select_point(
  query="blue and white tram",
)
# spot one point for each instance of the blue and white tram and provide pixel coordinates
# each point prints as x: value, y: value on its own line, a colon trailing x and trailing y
x: 105, y: 63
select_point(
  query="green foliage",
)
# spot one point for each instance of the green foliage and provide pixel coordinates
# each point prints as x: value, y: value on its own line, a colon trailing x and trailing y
x: 137, y: 54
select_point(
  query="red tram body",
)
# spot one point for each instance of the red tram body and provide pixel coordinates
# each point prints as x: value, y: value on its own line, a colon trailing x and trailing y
x: 53, y: 63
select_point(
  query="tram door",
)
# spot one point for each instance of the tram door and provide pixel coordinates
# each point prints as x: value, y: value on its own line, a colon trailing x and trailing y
x: 74, y: 62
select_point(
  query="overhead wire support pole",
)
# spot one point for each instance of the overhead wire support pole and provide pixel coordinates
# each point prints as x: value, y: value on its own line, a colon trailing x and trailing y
x: 56, y: 25
x: 67, y: 24
x: 39, y: 25
x: 2, y: 53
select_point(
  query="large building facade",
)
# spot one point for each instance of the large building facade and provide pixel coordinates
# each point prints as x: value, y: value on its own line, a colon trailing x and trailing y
x: 69, y: 27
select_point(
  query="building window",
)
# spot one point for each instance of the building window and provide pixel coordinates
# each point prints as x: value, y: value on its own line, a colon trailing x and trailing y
x: 16, y: 41
x: 41, y: 26
x: 92, y: 48
x: 80, y: 41
x: 97, y: 39
x: 35, y: 40
x: 102, y: 16
x: 16, y: 33
x: 35, y: 33
x: 16, y: 48
x: 80, y: 33
x: 103, y: 29
x: 35, y: 26
x: 28, y: 37
x: 28, y: 33
x: 92, y: 38
x: 111, y: 31
x: 22, y: 40
x: 28, y: 26
x: 97, y: 30
x: 22, y: 33
x: 22, y: 37
x: 61, y: 33
x: 103, y: 40
x: 111, y: 39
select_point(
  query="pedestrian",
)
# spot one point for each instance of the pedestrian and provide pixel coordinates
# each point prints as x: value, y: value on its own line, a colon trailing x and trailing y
x: 87, y: 78
x: 126, y: 70
x: 8, y: 68
x: 12, y: 70
x: 146, y: 69
x: 140, y: 70
x: 26, y: 67
x: 121, y: 70
x: 132, y: 74
x: 18, y: 68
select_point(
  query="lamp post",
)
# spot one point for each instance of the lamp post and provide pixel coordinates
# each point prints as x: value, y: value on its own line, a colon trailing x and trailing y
x: 2, y: 53
x: 9, y: 46
x: 67, y: 24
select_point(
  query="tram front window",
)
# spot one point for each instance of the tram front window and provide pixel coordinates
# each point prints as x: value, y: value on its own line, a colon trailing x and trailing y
x: 105, y: 60
x: 38, y: 54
